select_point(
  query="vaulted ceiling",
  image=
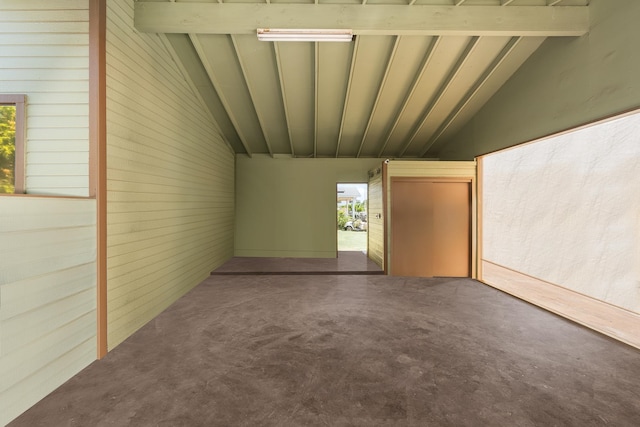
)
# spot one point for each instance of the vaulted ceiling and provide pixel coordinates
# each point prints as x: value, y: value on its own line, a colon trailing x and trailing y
x: 415, y: 73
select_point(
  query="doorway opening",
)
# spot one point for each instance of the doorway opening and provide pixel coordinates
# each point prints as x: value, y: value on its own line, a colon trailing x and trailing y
x: 352, y: 225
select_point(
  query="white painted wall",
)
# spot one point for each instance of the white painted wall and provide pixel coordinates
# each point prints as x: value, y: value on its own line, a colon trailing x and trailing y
x: 567, y: 210
x: 47, y: 245
x: 170, y: 179
x: 47, y: 296
x: 44, y: 48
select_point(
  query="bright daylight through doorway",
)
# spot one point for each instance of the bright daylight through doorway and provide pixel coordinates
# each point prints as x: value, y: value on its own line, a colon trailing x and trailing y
x: 352, y: 217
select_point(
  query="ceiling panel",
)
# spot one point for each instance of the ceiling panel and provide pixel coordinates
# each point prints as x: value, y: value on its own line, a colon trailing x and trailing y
x: 405, y: 65
x: 219, y: 58
x: 416, y: 72
x: 260, y: 71
x: 470, y: 65
x: 185, y: 53
x: 513, y: 56
x: 334, y: 62
x: 371, y: 56
x: 297, y: 67
x: 437, y: 65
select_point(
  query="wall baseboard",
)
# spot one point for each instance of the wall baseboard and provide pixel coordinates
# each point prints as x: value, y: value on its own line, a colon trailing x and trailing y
x: 615, y: 322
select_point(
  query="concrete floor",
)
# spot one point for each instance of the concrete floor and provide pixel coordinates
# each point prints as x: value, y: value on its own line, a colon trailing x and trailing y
x: 362, y: 350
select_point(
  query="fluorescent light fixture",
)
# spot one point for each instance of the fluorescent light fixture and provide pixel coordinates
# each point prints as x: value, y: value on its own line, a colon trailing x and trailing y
x: 291, y: 35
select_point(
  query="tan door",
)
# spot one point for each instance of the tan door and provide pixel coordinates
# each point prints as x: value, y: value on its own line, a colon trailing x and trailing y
x: 430, y: 227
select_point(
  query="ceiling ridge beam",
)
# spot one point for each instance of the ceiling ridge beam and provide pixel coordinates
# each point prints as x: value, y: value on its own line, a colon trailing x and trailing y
x: 505, y: 2
x: 354, y: 57
x: 216, y: 85
x: 423, y: 20
x: 187, y: 77
x: 383, y: 83
x: 553, y: 2
x: 276, y: 52
x: 251, y: 95
x: 414, y: 85
x: 464, y: 57
x: 491, y: 69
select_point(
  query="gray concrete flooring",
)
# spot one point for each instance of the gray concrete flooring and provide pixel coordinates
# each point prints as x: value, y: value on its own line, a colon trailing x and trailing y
x: 352, y: 351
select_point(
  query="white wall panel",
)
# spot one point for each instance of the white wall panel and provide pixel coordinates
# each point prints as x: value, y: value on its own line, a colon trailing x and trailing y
x: 47, y: 296
x: 44, y: 54
x: 566, y: 210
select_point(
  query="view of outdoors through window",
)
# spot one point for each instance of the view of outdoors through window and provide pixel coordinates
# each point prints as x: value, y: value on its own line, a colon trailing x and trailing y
x: 7, y: 148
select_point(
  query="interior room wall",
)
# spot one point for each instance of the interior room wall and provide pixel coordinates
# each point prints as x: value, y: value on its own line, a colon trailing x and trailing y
x: 567, y: 82
x: 47, y: 59
x: 566, y: 210
x: 170, y: 179
x: 47, y: 244
x: 286, y: 207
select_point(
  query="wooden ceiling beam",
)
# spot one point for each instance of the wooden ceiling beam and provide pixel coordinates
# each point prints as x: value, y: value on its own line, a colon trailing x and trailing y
x: 464, y: 57
x: 276, y: 52
x: 218, y: 88
x: 513, y: 43
x: 379, y: 94
x: 261, y: 121
x: 354, y: 58
x: 423, y: 67
x: 245, y: 18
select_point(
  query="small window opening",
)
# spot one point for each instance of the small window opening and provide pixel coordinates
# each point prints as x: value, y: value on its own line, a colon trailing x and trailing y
x: 12, y: 144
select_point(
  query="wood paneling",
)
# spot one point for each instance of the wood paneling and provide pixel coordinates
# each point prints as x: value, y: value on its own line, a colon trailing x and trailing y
x: 170, y: 180
x: 430, y: 227
x: 44, y: 54
x: 433, y: 169
x: 47, y: 296
x: 605, y: 318
x: 375, y: 219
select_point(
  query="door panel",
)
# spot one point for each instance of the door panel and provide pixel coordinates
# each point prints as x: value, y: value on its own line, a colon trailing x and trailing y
x: 451, y: 229
x: 430, y: 228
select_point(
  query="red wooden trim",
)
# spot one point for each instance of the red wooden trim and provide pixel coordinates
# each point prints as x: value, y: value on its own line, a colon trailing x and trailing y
x: 385, y: 260
x: 479, y: 213
x: 98, y: 155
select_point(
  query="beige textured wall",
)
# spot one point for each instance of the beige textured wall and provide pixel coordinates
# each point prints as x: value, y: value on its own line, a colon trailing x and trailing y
x: 565, y: 83
x: 170, y: 178
x: 287, y: 207
x: 566, y: 210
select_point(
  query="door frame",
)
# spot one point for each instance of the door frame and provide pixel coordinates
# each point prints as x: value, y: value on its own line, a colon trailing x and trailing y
x: 366, y: 207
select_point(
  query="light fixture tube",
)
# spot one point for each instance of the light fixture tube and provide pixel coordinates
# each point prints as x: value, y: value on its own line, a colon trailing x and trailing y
x: 306, y: 35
